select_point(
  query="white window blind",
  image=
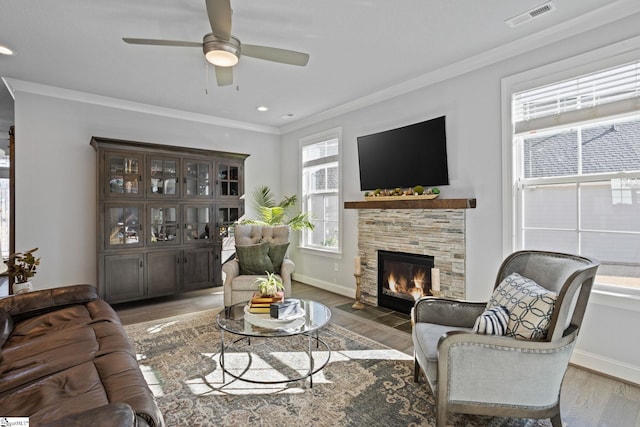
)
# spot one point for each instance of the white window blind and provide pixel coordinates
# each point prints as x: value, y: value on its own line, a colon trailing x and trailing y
x: 607, y: 93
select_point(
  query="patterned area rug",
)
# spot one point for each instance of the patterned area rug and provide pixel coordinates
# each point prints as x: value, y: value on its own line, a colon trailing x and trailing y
x: 363, y: 384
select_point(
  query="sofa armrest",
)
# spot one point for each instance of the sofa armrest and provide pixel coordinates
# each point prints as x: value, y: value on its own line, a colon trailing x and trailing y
x: 447, y: 312
x: 33, y: 303
x: 116, y: 414
x: 286, y: 270
x: 231, y: 269
x: 287, y: 267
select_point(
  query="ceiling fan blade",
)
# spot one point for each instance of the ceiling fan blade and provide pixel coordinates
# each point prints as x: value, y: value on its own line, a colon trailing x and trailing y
x: 155, y: 42
x: 219, y: 12
x: 224, y: 75
x: 274, y: 54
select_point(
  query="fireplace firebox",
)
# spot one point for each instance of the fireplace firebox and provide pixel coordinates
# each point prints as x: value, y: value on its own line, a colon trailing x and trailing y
x: 402, y: 279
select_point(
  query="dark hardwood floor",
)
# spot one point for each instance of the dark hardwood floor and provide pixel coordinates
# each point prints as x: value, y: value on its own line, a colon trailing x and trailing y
x: 588, y: 399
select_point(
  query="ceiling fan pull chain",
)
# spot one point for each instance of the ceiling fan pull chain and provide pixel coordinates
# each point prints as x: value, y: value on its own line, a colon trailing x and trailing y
x: 206, y: 77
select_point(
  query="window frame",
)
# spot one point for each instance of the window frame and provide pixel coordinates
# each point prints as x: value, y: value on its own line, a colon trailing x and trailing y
x: 593, y: 61
x: 335, y: 133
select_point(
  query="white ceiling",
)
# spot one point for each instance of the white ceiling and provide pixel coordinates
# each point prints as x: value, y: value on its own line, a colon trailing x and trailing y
x: 357, y: 48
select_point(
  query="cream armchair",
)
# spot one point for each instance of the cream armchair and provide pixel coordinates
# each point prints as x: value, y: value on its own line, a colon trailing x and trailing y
x: 502, y: 375
x: 240, y: 287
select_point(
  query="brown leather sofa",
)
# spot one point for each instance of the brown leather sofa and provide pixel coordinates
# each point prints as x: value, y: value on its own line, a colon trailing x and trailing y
x: 65, y: 360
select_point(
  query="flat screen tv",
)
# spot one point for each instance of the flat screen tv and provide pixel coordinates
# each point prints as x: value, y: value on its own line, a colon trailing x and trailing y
x: 404, y: 157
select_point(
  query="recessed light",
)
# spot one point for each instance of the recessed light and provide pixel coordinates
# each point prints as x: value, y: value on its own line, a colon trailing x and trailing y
x: 286, y: 116
x: 5, y: 50
x: 262, y: 108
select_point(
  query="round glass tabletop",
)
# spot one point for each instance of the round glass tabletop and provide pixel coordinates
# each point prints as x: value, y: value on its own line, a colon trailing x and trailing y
x: 316, y: 316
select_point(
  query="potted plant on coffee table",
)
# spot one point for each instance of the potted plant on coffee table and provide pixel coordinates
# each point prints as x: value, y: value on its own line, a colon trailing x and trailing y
x: 270, y: 285
x: 21, y: 267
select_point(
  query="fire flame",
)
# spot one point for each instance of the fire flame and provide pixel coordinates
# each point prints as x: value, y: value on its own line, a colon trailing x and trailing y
x: 392, y: 283
x: 398, y: 285
x: 415, y: 293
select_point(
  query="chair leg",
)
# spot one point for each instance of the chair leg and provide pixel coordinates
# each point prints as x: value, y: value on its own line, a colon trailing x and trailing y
x: 556, y: 420
x: 416, y: 370
x: 441, y: 416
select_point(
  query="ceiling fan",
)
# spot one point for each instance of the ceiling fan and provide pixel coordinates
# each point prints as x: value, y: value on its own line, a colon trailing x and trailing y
x: 223, y: 50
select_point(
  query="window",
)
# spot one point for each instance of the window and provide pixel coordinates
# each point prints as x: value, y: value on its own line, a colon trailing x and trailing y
x: 320, y: 161
x: 576, y: 163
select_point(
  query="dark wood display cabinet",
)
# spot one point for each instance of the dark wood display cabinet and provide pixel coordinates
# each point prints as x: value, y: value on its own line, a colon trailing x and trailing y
x: 165, y: 217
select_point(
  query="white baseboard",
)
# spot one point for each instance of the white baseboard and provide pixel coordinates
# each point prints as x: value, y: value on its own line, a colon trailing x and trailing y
x: 331, y: 287
x: 607, y: 366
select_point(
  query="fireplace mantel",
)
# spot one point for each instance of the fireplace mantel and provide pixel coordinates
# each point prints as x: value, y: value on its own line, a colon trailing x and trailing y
x: 412, y: 204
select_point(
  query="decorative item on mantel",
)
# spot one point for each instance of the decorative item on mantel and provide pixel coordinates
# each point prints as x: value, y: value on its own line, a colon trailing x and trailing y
x: 435, y: 282
x: 358, y: 305
x: 412, y: 193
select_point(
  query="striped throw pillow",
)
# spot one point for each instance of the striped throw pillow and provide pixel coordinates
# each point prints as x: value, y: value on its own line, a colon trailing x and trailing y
x: 493, y: 321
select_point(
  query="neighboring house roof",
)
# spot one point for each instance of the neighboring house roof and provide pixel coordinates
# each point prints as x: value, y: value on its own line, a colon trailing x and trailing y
x: 607, y: 148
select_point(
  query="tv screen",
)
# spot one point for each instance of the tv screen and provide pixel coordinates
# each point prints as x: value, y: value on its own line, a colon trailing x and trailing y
x: 405, y: 157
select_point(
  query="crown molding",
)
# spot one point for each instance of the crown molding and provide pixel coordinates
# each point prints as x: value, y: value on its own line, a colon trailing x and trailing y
x: 599, y: 17
x: 15, y: 85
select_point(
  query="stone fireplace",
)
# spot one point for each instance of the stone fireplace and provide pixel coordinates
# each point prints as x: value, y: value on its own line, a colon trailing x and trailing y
x: 433, y: 228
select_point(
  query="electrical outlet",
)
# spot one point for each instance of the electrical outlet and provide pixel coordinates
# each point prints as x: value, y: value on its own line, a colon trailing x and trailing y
x: 336, y: 266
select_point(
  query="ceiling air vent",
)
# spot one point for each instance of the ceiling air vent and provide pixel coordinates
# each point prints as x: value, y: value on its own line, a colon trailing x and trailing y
x: 531, y: 14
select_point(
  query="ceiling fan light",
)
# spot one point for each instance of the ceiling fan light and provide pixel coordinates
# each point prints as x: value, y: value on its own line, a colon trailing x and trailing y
x: 221, y: 53
x: 221, y: 58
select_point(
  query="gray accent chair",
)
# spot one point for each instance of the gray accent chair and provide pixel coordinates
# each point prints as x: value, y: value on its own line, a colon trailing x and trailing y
x: 499, y: 375
x: 240, y: 287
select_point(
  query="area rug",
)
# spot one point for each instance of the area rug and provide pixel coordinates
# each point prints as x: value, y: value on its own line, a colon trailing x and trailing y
x: 363, y: 384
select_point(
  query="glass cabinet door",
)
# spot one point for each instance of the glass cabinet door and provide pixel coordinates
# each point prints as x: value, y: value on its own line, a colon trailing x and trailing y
x: 123, y: 175
x: 229, y: 183
x: 163, y: 176
x: 226, y: 218
x: 197, y: 180
x: 123, y: 227
x: 164, y: 224
x: 196, y: 224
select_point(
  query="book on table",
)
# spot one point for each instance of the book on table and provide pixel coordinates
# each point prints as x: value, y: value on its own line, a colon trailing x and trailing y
x: 261, y: 304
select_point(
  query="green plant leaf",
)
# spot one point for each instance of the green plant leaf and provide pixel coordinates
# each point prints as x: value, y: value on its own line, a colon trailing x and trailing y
x: 262, y: 196
x: 289, y: 201
x: 22, y: 265
x: 301, y: 221
x: 269, y: 213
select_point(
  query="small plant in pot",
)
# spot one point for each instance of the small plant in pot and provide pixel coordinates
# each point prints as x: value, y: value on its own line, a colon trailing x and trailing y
x: 22, y: 267
x: 270, y: 285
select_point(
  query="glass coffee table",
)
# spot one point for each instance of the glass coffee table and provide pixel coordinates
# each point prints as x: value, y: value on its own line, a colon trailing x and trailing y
x: 233, y: 320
